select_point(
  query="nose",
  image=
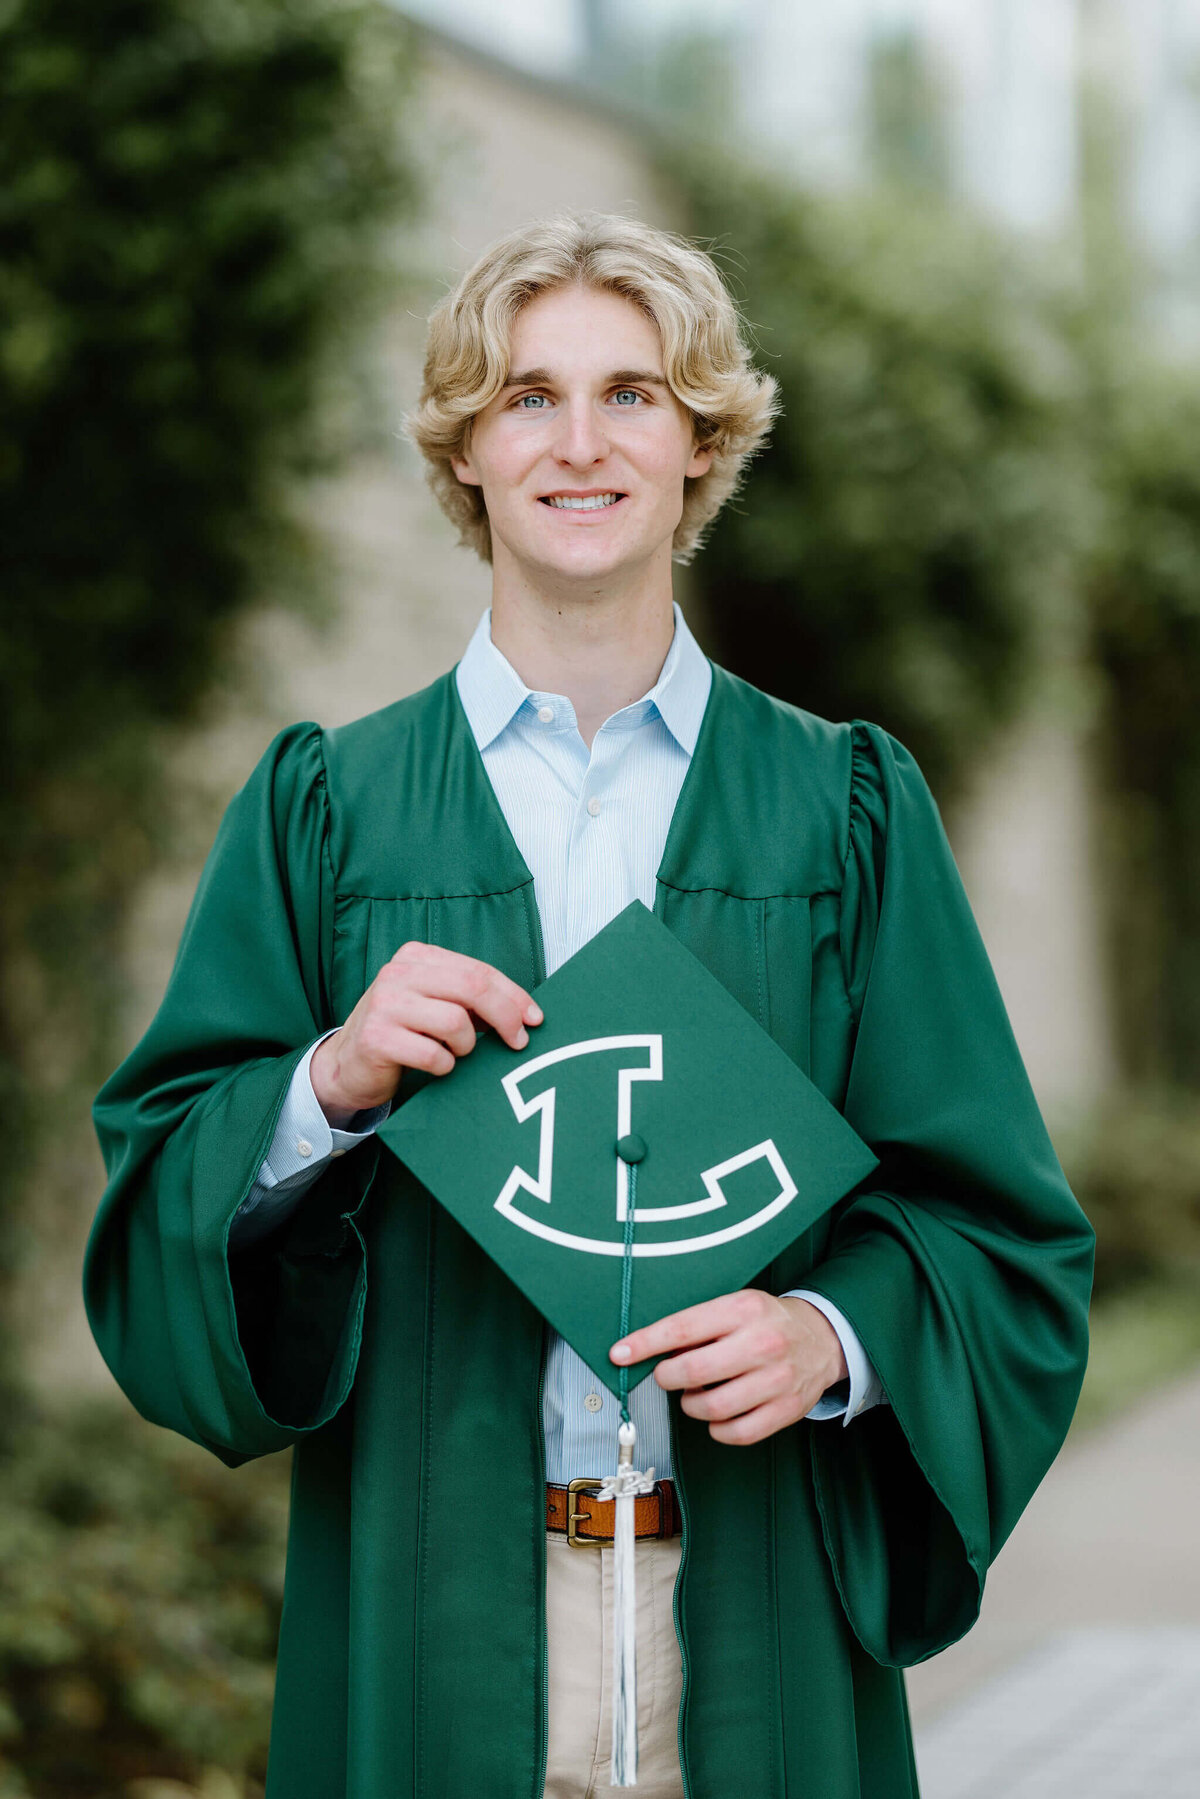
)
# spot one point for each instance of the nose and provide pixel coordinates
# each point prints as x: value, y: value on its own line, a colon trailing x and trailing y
x: 582, y: 434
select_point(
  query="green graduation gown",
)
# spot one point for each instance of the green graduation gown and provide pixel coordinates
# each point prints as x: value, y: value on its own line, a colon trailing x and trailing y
x: 806, y: 865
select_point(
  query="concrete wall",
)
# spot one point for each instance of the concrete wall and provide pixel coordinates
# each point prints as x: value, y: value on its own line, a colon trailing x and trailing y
x: 1026, y: 849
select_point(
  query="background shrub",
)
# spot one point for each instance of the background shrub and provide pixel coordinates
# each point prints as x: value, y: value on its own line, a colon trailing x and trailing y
x: 199, y: 202
x: 140, y: 1592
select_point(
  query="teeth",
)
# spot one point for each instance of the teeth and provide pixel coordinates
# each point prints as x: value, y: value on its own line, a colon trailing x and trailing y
x: 590, y: 504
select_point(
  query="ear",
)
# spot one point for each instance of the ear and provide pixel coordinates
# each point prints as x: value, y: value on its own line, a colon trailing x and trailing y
x: 464, y: 468
x: 699, y: 465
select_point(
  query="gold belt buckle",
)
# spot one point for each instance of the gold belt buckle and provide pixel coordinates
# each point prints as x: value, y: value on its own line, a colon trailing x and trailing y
x: 584, y: 1484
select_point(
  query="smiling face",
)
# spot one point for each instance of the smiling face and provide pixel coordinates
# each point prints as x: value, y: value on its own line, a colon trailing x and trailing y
x: 582, y: 456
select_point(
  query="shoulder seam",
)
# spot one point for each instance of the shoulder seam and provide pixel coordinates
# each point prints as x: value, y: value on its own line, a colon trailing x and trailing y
x: 326, y: 956
x: 856, y: 728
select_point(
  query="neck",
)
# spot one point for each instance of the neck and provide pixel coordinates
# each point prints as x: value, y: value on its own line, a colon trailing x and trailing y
x: 602, y: 650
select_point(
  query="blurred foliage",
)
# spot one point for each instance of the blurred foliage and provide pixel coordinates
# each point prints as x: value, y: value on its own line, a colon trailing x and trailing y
x: 985, y: 469
x: 196, y: 209
x: 140, y: 1593
x: 1134, y: 1165
x: 670, y: 72
x: 907, y: 113
x: 1143, y: 598
x: 1141, y: 591
x: 911, y: 528
x: 1141, y: 1338
x: 1135, y: 1168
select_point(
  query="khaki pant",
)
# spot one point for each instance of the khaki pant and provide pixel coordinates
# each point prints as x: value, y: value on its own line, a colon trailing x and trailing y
x: 579, y: 1635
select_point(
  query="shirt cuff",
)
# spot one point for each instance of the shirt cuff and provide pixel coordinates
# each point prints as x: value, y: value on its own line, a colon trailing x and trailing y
x: 303, y: 1144
x: 304, y: 1139
x: 866, y: 1389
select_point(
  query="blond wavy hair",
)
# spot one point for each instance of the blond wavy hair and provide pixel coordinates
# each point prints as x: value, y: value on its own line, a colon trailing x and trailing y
x: 706, y: 359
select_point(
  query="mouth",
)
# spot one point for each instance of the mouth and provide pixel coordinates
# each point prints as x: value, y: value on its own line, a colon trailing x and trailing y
x: 583, y: 506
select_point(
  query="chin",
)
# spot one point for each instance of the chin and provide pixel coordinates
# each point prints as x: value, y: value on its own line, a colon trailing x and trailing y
x: 581, y: 561
x: 586, y: 568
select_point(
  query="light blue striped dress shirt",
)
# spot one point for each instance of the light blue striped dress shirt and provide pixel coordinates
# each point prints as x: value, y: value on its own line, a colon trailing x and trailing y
x: 592, y: 826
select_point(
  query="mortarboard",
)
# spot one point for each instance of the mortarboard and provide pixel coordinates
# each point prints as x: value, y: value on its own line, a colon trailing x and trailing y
x: 650, y: 1148
x: 641, y: 1050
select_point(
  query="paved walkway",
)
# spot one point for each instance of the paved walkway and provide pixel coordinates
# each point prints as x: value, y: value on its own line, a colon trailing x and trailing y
x: 1102, y: 1713
x: 1082, y: 1678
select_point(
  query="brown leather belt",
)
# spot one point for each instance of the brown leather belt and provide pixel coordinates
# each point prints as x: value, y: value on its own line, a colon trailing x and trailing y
x: 590, y: 1521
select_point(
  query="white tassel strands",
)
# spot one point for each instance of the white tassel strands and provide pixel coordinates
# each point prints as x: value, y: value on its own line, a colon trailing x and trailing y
x: 624, y: 1487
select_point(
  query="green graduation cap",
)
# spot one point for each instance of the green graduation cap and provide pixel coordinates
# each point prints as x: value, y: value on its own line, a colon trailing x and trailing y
x: 651, y: 1147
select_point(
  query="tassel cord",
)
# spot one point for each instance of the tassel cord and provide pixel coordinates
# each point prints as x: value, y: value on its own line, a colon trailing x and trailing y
x: 627, y: 1279
x: 623, y: 1486
x: 623, y: 1770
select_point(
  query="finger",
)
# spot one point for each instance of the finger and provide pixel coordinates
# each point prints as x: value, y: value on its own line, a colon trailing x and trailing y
x: 409, y: 1030
x: 396, y: 1049
x: 692, y: 1326
x: 733, y: 1397
x: 452, y: 975
x: 495, y: 1005
x: 449, y: 1023
x: 729, y: 1356
x: 754, y: 1426
x: 445, y: 974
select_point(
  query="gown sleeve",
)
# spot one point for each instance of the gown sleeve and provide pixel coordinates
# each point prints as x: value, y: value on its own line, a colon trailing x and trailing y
x: 965, y: 1266
x: 243, y: 1352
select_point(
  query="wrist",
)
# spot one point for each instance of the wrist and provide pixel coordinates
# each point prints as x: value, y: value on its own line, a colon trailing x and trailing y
x: 835, y: 1370
x: 322, y: 1075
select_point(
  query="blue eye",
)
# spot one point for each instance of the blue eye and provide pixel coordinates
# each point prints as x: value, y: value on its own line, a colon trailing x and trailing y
x: 621, y: 394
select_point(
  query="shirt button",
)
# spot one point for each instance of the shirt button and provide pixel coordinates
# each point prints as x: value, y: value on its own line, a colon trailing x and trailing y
x: 546, y: 714
x: 337, y: 1152
x: 303, y: 1146
x: 594, y: 807
x: 593, y: 1402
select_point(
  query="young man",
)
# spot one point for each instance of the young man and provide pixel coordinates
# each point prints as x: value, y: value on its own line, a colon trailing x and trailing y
x: 260, y: 1276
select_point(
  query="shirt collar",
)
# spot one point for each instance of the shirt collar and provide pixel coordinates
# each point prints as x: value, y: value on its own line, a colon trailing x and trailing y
x: 492, y: 692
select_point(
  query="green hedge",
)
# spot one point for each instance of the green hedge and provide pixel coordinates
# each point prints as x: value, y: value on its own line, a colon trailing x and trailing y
x: 1135, y: 1168
x: 982, y: 461
x: 199, y: 209
x: 1142, y: 591
x: 906, y: 536
x: 140, y: 1591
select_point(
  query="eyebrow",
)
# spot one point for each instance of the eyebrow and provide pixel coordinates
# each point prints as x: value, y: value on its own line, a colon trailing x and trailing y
x: 543, y: 378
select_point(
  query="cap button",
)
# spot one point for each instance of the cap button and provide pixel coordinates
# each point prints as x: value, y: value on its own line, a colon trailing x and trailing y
x: 631, y: 1148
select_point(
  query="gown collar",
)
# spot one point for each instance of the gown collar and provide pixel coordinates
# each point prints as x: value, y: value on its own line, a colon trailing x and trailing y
x: 691, y: 820
x: 493, y: 693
